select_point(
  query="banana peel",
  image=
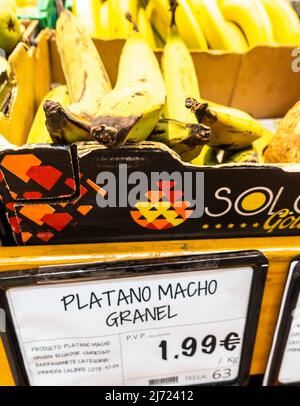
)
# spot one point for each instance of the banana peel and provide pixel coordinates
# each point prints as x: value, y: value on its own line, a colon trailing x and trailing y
x: 39, y: 133
x: 231, y: 129
x: 173, y: 132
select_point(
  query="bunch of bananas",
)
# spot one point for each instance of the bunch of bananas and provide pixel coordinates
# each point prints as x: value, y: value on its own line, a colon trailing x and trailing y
x: 232, y: 25
x: 147, y: 103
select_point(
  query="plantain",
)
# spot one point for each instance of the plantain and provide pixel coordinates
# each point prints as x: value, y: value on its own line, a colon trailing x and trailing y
x: 190, y: 135
x: 130, y: 112
x: 38, y: 132
x: 203, y: 156
x: 248, y: 155
x: 86, y: 78
x: 261, y: 145
x: 231, y: 129
x: 181, y: 82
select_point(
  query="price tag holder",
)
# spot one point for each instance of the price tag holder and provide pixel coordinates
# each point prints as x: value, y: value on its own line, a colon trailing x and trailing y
x: 283, y: 367
x: 188, y: 320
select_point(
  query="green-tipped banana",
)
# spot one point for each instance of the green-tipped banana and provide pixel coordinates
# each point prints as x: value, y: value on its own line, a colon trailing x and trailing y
x: 254, y: 154
x: 243, y: 157
x: 231, y: 129
x: 206, y: 156
x: 173, y: 133
x: 261, y: 145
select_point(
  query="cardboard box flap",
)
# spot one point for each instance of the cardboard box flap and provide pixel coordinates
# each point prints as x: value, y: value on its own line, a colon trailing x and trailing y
x: 268, y: 83
x: 39, y: 173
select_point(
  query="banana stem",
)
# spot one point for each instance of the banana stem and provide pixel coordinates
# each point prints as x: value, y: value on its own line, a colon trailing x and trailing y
x: 200, y: 135
x: 173, y: 7
x: 199, y: 109
x: 129, y: 17
x: 172, y: 133
x: 112, y: 131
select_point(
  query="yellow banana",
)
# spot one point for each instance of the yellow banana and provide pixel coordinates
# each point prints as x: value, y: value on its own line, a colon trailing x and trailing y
x: 87, y: 82
x: 212, y: 23
x: 251, y: 17
x: 181, y: 82
x: 180, y: 77
x: 104, y: 23
x: 225, y: 109
x: 119, y: 26
x: 38, y: 133
x: 145, y: 28
x: 187, y: 24
x: 191, y: 135
x: 285, y: 21
x: 202, y: 156
x: 130, y: 6
x: 261, y: 145
x: 230, y: 131
x: 87, y: 11
x: 237, y: 38
x: 131, y: 111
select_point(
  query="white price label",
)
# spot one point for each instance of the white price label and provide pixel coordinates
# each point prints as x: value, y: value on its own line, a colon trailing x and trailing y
x: 290, y: 367
x: 172, y: 329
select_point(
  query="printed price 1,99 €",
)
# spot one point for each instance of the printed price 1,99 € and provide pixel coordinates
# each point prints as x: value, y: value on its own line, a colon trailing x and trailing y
x: 208, y: 345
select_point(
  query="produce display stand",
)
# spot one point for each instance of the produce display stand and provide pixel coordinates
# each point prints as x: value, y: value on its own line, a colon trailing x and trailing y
x: 279, y: 251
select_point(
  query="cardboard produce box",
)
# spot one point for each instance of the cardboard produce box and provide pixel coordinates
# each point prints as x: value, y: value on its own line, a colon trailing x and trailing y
x: 265, y: 81
x: 75, y: 194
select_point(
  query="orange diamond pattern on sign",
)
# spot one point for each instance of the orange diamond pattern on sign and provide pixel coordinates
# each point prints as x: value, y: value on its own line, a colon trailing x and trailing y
x: 45, y: 236
x: 26, y: 237
x: 36, y: 213
x: 84, y: 210
x: 19, y: 165
x: 164, y: 209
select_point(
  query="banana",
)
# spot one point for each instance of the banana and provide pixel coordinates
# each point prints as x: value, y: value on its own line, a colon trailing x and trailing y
x: 179, y: 74
x: 188, y: 27
x: 237, y: 38
x: 181, y: 81
x: 212, y: 23
x: 87, y: 11
x: 104, y: 23
x: 285, y: 21
x: 248, y: 155
x: 160, y: 43
x: 228, y: 110
x: 38, y: 133
x: 145, y: 28
x: 202, y: 156
x: 131, y: 111
x: 261, y: 145
x: 87, y: 82
x: 129, y: 6
x: 119, y: 26
x: 251, y: 17
x: 230, y: 131
x: 191, y: 135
